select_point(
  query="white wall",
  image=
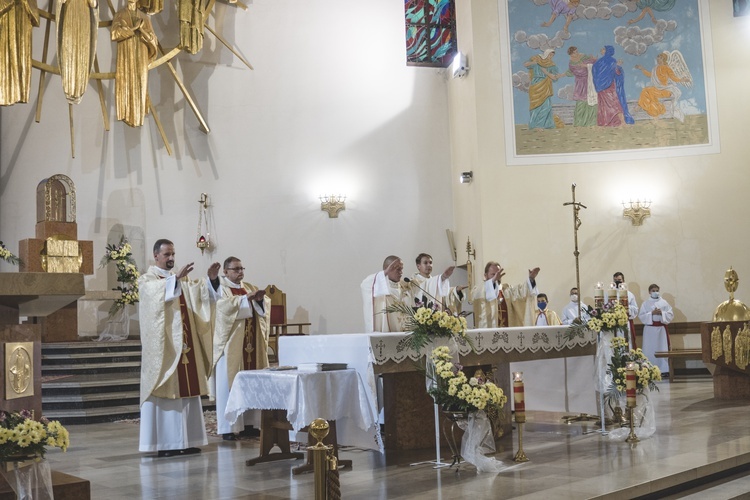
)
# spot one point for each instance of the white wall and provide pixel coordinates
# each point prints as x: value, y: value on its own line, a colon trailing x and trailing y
x: 330, y: 107
x: 699, y: 222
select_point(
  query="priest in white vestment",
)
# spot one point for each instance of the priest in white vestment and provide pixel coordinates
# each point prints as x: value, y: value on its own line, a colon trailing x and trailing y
x: 176, y: 317
x: 619, y: 280
x: 381, y: 290
x: 243, y: 319
x: 544, y: 315
x: 570, y: 312
x: 436, y: 288
x: 656, y: 314
x: 498, y: 304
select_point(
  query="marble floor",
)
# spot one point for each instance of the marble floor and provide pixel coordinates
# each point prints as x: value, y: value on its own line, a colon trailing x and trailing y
x: 696, y: 436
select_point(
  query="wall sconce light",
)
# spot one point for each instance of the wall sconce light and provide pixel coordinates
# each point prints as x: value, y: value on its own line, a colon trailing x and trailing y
x: 636, y: 211
x: 332, y: 204
x: 460, y: 65
x: 466, y: 177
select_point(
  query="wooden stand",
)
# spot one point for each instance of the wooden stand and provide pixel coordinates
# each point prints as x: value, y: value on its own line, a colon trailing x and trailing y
x: 274, y: 431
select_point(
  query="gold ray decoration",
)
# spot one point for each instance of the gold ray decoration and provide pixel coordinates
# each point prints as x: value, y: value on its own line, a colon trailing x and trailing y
x: 76, y: 62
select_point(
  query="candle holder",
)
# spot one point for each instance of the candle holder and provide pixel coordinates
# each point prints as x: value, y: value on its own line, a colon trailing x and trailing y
x: 599, y: 295
x: 630, y: 401
x: 520, y: 414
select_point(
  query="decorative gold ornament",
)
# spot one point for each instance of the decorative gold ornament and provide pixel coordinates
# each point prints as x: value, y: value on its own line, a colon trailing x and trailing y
x: 77, y: 28
x: 203, y: 242
x: 727, y: 345
x: 17, y: 18
x: 716, y: 343
x: 731, y: 310
x: 742, y: 347
x: 332, y: 204
x: 636, y: 211
x: 56, y: 199
x: 61, y: 255
x: 319, y: 429
x: 19, y: 366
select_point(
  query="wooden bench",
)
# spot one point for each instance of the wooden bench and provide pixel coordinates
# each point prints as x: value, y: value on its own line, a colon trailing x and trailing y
x: 682, y: 354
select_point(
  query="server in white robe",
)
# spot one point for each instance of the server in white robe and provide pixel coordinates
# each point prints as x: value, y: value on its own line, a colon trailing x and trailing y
x: 544, y: 315
x: 176, y: 326
x: 656, y: 314
x: 381, y: 290
x: 570, y: 312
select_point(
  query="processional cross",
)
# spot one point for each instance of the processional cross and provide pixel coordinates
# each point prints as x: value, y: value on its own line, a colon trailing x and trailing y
x: 576, y: 224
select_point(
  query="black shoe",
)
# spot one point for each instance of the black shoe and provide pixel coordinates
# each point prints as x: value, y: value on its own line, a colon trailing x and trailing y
x: 251, y: 431
x: 229, y: 437
x: 190, y: 451
x: 168, y: 453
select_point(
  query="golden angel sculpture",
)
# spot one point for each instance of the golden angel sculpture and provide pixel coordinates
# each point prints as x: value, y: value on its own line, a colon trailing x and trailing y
x: 17, y: 18
x: 77, y: 24
x: 151, y: 6
x: 670, y: 70
x: 136, y: 48
x: 191, y: 25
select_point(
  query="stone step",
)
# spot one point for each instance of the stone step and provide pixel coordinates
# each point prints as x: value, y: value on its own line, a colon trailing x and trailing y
x: 84, y: 382
x: 120, y: 365
x: 92, y: 355
x: 91, y: 397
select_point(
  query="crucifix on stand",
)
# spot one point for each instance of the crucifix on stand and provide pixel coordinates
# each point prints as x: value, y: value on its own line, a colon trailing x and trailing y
x: 577, y: 206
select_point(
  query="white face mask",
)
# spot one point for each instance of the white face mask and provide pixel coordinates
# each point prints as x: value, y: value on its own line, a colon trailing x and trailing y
x: 654, y: 295
x: 573, y: 297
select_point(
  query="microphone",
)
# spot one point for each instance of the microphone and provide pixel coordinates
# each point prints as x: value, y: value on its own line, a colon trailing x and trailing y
x: 411, y: 281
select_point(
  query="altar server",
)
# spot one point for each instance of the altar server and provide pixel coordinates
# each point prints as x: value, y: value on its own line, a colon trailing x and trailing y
x: 656, y: 314
x: 544, y: 315
x: 570, y: 312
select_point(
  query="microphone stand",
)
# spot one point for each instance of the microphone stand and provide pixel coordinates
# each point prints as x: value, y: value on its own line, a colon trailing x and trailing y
x: 428, y: 294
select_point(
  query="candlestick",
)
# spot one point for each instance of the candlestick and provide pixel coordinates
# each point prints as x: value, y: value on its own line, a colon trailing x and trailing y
x: 520, y: 413
x: 630, y: 399
x: 599, y: 295
x: 630, y: 384
x: 518, y: 397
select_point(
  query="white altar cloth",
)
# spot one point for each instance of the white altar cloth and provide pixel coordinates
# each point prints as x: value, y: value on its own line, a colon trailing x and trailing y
x: 336, y: 395
x: 561, y: 384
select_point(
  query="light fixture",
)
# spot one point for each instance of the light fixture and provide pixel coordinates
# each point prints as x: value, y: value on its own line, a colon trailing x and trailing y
x: 332, y: 204
x: 466, y: 177
x: 636, y: 210
x: 203, y: 240
x: 460, y: 65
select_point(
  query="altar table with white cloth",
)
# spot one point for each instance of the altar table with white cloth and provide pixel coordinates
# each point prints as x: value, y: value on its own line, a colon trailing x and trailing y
x: 558, y: 372
x: 336, y: 395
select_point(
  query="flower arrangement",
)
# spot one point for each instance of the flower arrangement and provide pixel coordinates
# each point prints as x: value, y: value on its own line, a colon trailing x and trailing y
x: 427, y: 321
x: 453, y: 390
x: 22, y: 436
x: 127, y: 273
x: 646, y: 373
x: 7, y: 256
x: 611, y: 317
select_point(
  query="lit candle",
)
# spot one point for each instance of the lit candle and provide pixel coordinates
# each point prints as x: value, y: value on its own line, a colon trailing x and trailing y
x: 518, y: 397
x: 598, y: 295
x: 630, y: 384
x: 623, y: 295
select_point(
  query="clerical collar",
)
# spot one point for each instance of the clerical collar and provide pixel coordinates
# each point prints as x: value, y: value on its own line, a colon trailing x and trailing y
x: 230, y: 283
x: 163, y: 272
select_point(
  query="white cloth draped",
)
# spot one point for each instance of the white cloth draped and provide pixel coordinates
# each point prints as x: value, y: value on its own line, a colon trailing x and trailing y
x: 336, y: 395
x: 172, y: 424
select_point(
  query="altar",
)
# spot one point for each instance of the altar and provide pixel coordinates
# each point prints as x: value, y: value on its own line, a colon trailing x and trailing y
x: 558, y: 373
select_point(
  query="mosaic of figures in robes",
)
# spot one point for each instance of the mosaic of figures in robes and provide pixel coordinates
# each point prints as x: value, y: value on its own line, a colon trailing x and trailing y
x: 606, y: 75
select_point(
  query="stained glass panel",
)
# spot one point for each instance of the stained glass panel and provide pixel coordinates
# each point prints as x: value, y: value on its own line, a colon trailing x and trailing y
x: 430, y: 32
